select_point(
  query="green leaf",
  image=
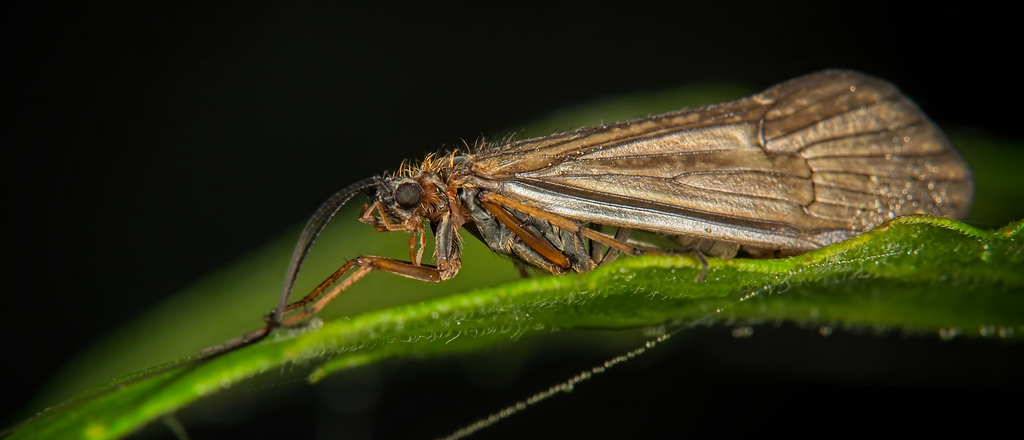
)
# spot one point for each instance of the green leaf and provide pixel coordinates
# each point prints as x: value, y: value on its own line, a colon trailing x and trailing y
x: 914, y: 275
x: 887, y: 278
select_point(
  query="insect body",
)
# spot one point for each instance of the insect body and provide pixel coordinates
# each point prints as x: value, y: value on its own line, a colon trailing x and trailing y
x: 807, y: 163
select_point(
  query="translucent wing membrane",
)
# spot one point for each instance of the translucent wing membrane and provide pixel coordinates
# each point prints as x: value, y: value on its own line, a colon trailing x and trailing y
x: 806, y: 163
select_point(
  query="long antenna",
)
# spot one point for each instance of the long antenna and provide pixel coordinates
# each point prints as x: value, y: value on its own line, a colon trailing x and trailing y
x: 314, y: 226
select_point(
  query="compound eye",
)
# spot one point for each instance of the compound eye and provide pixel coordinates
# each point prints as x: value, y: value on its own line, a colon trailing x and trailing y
x: 408, y: 195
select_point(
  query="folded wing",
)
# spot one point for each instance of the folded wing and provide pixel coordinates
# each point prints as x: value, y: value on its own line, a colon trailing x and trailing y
x: 805, y: 163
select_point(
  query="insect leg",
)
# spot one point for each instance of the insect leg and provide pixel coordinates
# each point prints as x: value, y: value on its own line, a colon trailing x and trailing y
x: 246, y: 339
x: 551, y: 243
x: 596, y: 249
x: 324, y: 285
x: 690, y: 250
x: 704, y: 262
x: 571, y: 244
x: 621, y: 236
x: 614, y: 243
x: 316, y: 300
x: 448, y: 264
x: 529, y: 237
x: 521, y: 268
x: 561, y: 222
x: 502, y: 240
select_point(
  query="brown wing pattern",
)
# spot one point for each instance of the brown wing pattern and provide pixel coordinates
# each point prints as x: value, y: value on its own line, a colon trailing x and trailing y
x: 803, y: 164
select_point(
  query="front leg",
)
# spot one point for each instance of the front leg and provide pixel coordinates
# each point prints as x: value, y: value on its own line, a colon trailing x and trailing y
x: 311, y: 304
x: 448, y: 263
x: 295, y: 313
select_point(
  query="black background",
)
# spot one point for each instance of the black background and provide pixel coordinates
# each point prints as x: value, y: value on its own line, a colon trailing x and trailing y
x: 220, y: 125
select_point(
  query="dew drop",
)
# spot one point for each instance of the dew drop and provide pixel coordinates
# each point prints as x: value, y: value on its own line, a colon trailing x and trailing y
x: 743, y: 332
x: 949, y: 333
x: 986, y: 254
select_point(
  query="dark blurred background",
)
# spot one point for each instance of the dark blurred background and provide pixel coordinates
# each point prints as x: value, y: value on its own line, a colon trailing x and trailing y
x: 150, y: 144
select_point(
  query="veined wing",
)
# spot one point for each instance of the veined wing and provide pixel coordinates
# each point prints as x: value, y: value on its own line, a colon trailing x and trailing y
x: 805, y: 163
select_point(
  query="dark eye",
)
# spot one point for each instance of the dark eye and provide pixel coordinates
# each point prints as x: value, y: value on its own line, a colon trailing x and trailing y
x: 408, y: 195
